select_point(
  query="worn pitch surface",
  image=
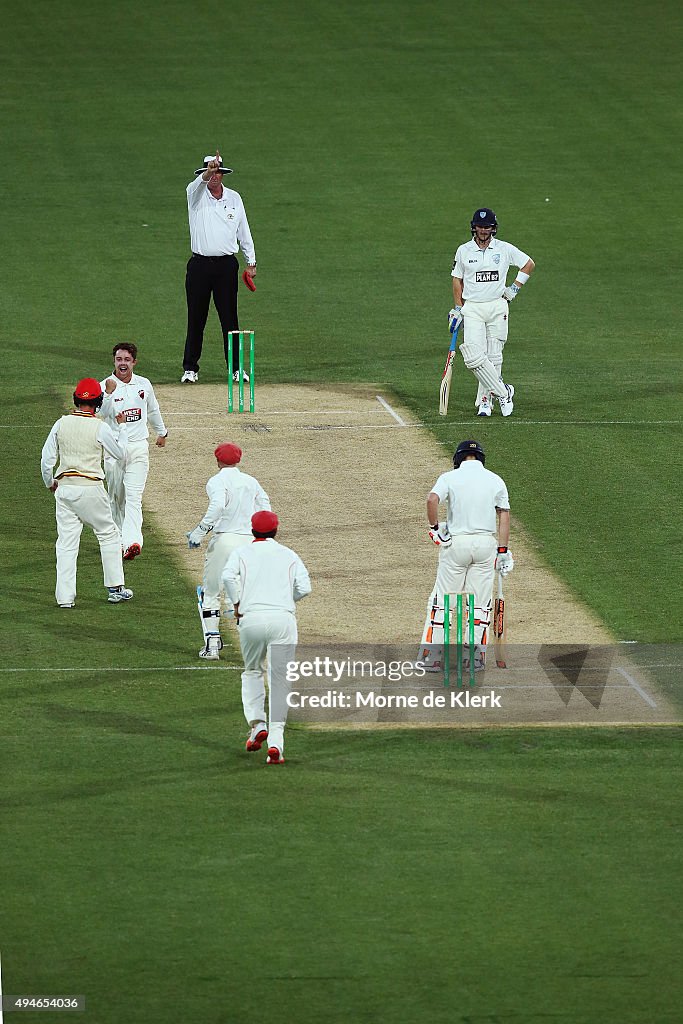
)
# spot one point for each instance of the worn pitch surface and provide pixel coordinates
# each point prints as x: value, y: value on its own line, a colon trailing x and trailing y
x: 349, y: 483
x: 348, y: 472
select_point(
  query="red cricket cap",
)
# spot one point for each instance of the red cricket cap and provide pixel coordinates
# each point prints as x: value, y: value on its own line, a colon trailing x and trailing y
x: 88, y: 388
x: 264, y: 522
x: 230, y: 454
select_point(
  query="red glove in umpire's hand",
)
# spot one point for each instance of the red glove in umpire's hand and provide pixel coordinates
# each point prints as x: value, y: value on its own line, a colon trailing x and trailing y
x: 249, y: 281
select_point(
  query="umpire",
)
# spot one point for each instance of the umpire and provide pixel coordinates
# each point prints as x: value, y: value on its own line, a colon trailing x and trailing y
x: 218, y: 228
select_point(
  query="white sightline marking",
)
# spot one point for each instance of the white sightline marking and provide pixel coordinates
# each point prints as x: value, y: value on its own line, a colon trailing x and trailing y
x: 392, y: 412
x: 1, y: 1017
x: 631, y: 681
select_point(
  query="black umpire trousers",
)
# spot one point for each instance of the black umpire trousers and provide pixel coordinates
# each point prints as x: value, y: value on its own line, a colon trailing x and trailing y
x: 207, y: 277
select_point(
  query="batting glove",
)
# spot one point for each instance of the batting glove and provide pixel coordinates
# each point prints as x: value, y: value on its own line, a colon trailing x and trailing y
x: 511, y: 291
x: 195, y: 538
x: 505, y: 563
x: 440, y: 535
x: 454, y: 318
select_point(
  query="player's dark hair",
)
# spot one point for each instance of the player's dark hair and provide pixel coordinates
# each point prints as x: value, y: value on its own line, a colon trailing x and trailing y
x: 125, y: 346
x: 92, y: 403
x: 263, y: 536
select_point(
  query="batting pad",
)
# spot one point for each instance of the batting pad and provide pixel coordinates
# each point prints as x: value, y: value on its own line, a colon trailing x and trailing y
x: 483, y: 369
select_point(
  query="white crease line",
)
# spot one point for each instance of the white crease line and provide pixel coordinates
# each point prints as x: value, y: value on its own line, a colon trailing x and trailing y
x: 636, y: 687
x: 323, y: 426
x: 168, y: 668
x: 274, y: 412
x: 433, y: 423
x: 392, y: 412
x: 511, y: 422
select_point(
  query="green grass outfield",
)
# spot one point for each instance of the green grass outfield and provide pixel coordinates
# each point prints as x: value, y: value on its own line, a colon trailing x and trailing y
x: 431, y: 876
x: 482, y: 877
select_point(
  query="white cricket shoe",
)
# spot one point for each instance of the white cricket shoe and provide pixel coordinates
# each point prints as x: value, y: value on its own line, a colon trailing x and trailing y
x: 210, y: 650
x: 236, y: 376
x: 484, y: 406
x: 257, y: 736
x: 432, y: 666
x: 189, y: 377
x: 117, y: 594
x: 479, y: 659
x: 506, y: 404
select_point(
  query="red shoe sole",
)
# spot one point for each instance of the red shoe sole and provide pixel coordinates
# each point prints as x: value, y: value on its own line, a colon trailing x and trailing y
x: 132, y: 552
x: 258, y: 741
x: 274, y: 756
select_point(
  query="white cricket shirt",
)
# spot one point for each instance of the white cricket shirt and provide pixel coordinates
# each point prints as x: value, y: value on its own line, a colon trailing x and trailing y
x: 234, y: 496
x: 218, y: 227
x: 137, y: 401
x: 473, y: 494
x: 484, y: 271
x: 265, y: 576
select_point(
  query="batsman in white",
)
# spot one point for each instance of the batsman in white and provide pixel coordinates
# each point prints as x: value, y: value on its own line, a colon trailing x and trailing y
x: 77, y: 442
x: 481, y: 302
x: 128, y: 393
x: 469, y: 553
x: 264, y: 580
x: 233, y: 496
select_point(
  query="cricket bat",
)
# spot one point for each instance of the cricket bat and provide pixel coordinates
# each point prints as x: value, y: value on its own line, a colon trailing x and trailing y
x: 445, y: 389
x: 499, y: 624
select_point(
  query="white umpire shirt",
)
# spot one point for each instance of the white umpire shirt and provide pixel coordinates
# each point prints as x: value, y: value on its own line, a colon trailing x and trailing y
x: 484, y: 271
x: 218, y: 227
x: 234, y: 496
x: 265, y: 576
x: 137, y: 401
x: 473, y: 494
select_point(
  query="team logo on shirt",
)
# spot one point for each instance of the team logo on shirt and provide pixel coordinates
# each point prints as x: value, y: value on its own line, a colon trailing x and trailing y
x: 486, y: 276
x: 142, y: 395
x: 496, y: 258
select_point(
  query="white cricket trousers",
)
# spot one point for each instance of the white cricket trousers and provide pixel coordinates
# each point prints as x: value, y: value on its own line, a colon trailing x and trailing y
x: 257, y: 631
x: 126, y: 481
x: 218, y: 551
x: 77, y: 504
x: 485, y: 331
x: 466, y: 567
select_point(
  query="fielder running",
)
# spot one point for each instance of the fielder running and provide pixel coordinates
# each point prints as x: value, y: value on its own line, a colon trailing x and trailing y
x: 234, y: 496
x: 77, y: 441
x: 481, y: 303
x: 129, y: 393
x: 264, y: 580
x: 468, y: 551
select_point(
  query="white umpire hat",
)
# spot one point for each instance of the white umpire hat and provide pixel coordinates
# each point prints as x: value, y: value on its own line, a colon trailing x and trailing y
x: 207, y: 161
